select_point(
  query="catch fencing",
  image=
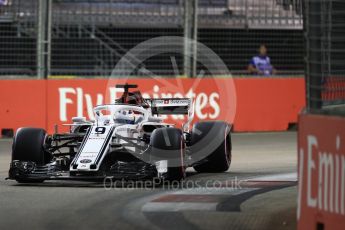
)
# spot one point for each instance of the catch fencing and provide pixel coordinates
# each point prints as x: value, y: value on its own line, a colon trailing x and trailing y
x: 87, y: 38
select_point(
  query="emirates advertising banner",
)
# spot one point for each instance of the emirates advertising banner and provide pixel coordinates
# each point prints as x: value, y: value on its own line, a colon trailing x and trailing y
x: 321, y: 169
x: 212, y: 99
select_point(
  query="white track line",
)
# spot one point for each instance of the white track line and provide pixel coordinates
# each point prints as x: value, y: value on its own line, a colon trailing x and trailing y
x: 276, y: 177
x: 213, y: 191
x: 178, y: 206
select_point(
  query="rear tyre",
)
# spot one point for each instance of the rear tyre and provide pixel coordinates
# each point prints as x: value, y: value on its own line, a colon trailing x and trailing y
x: 28, y: 145
x: 219, y: 159
x: 167, y: 144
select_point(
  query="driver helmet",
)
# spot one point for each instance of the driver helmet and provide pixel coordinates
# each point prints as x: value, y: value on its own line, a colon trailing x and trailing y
x: 124, y: 117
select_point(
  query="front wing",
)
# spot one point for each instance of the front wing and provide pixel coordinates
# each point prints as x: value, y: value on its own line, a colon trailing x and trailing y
x: 29, y: 171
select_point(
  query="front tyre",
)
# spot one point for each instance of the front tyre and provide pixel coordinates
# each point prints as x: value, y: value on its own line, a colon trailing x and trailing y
x: 28, y: 146
x: 167, y: 144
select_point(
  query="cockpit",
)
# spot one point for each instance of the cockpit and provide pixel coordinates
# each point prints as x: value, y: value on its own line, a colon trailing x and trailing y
x: 128, y: 117
x: 130, y: 108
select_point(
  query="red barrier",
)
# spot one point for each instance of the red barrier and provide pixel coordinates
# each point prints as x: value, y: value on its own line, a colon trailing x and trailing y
x: 22, y: 103
x: 333, y: 88
x: 321, y: 169
x: 214, y: 98
x: 251, y: 104
x: 268, y: 104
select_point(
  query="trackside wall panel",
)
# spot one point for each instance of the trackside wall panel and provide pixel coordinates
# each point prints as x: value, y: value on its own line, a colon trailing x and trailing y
x: 250, y: 104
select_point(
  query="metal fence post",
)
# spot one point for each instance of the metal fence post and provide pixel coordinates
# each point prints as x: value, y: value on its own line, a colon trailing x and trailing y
x: 314, y: 74
x: 190, y: 32
x: 44, y: 38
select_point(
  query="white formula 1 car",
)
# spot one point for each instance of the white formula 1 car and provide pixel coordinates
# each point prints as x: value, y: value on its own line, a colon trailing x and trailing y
x: 127, y: 140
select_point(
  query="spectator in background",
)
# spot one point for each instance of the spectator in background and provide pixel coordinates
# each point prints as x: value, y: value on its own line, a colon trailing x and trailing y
x: 3, y: 2
x: 261, y: 63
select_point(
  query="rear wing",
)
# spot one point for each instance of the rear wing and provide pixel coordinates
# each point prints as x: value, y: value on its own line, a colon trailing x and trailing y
x: 167, y: 106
